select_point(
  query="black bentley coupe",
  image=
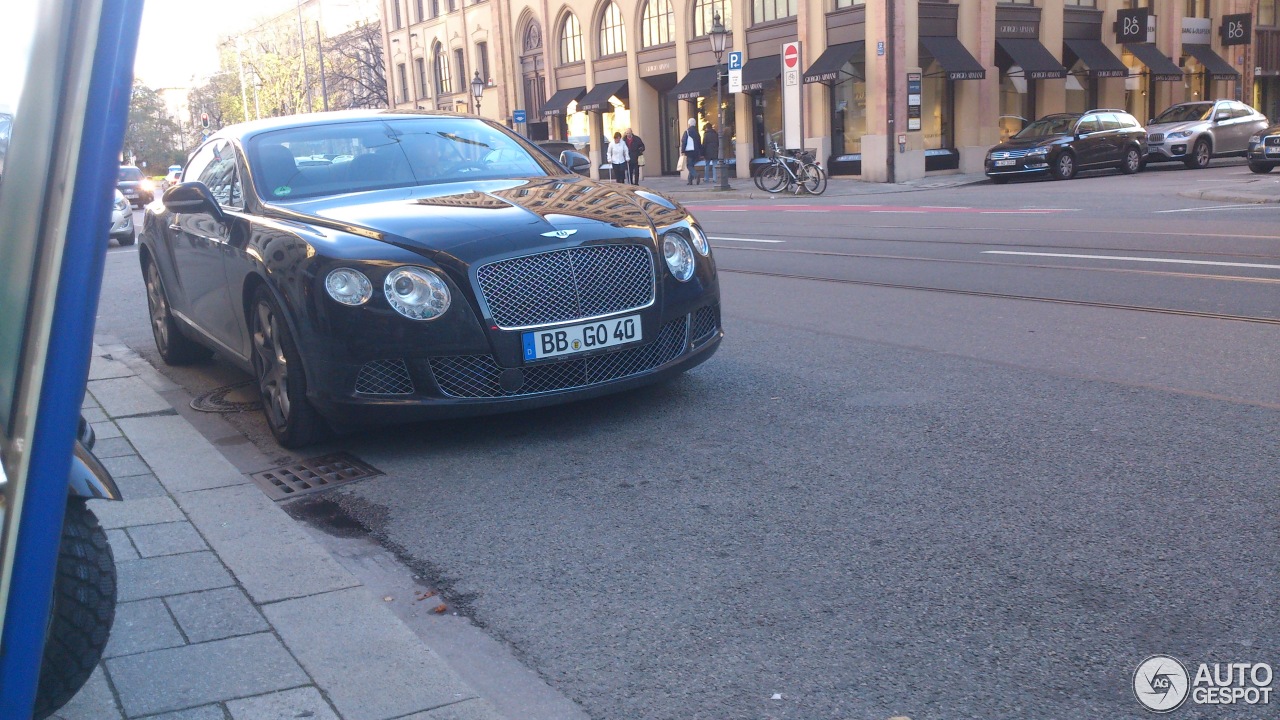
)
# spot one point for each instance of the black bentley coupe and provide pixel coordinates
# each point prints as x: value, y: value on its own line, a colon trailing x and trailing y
x: 373, y: 267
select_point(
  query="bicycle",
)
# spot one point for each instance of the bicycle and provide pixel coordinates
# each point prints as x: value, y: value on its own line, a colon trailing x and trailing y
x: 795, y: 171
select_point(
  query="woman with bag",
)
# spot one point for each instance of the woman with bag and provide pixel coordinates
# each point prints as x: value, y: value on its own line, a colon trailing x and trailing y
x: 691, y: 149
x: 618, y: 157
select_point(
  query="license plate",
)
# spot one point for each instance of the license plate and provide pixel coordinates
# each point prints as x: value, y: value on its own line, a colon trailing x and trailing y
x: 130, y: 193
x: 541, y: 344
x: 1005, y: 163
x: 1273, y: 151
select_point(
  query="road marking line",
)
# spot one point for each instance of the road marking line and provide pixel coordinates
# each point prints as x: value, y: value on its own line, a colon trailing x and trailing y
x: 1172, y: 261
x: 1249, y: 206
x: 754, y: 240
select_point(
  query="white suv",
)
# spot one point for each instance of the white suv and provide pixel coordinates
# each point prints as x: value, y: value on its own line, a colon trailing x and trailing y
x: 1194, y: 132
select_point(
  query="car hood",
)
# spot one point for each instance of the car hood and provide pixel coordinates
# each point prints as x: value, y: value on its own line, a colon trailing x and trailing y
x: 1193, y: 125
x: 1026, y: 143
x: 475, y: 220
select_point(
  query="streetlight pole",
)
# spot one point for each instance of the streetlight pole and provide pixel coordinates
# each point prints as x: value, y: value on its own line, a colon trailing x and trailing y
x: 477, y: 89
x: 720, y: 38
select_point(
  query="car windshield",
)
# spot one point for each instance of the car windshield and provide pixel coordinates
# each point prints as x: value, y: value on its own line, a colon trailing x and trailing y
x: 129, y: 174
x: 1049, y: 126
x: 374, y: 154
x: 1190, y: 112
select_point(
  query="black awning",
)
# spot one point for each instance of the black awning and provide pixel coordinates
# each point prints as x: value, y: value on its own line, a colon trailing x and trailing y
x: 759, y: 71
x: 1102, y: 63
x: 699, y: 82
x: 1036, y: 61
x: 597, y: 100
x: 1213, y: 63
x: 826, y: 68
x: 1159, y: 66
x: 559, y: 102
x: 954, y: 57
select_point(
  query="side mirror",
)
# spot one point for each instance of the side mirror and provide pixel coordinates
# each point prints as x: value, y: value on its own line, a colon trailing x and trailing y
x: 191, y: 197
x: 576, y: 162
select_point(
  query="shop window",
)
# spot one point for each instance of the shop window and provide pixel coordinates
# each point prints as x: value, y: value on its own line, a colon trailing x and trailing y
x: 704, y: 12
x: 612, y: 33
x: 1015, y: 102
x: 936, y: 108
x: 767, y: 10
x: 1077, y: 92
x: 849, y: 111
x: 570, y: 40
x: 657, y: 23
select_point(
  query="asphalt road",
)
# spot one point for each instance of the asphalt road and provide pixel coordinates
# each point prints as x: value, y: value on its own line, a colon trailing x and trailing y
x: 920, y: 478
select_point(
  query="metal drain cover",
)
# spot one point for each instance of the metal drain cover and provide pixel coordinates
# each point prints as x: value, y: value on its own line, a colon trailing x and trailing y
x: 240, y: 397
x: 313, y: 475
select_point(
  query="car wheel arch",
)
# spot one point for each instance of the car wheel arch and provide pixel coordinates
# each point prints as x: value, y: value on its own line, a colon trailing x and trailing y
x: 248, y: 290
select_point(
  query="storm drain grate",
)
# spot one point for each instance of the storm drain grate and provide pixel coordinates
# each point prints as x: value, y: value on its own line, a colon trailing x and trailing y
x: 313, y: 475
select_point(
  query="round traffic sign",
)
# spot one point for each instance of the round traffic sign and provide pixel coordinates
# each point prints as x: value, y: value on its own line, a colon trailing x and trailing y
x: 791, y: 56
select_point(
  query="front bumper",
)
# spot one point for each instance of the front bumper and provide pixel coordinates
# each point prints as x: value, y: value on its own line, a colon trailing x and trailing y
x: 122, y: 223
x: 1012, y: 167
x: 1266, y: 152
x: 421, y: 387
x: 1169, y: 149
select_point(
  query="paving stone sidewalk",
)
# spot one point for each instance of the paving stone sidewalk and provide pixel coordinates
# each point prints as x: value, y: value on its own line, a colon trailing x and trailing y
x: 227, y: 609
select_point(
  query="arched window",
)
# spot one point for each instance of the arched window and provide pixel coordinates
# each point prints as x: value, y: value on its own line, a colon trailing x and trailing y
x: 444, y: 82
x: 571, y: 40
x: 657, y: 24
x: 613, y: 39
x: 705, y: 10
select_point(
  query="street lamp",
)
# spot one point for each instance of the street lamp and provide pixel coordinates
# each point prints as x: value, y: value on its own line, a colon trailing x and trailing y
x: 477, y: 89
x: 719, y: 38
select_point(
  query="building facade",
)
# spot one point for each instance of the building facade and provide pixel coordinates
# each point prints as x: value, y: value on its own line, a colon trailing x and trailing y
x: 891, y: 90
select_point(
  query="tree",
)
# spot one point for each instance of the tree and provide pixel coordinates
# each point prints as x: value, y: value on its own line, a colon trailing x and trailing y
x: 149, y: 136
x: 220, y: 98
x: 354, y: 68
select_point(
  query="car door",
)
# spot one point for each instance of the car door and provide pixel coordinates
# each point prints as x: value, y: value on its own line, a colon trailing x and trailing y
x: 1243, y: 126
x: 198, y: 242
x: 1090, y: 142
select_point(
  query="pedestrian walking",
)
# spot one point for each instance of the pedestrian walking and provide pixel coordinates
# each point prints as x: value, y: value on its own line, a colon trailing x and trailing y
x: 691, y: 146
x: 617, y: 156
x: 711, y: 149
x: 635, y: 148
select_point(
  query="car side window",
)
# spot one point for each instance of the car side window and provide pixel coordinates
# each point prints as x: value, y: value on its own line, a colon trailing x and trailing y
x: 1110, y: 122
x: 221, y: 175
x: 1240, y: 111
x: 1089, y: 124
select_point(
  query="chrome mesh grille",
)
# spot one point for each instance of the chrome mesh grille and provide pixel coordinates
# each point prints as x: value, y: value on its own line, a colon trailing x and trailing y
x: 566, y: 285
x: 478, y: 376
x: 1271, y: 140
x: 384, y: 377
x: 1155, y: 137
x: 1008, y: 154
x: 704, y: 323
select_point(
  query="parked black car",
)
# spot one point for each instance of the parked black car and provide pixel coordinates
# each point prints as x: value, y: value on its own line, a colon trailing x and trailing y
x: 448, y: 268
x: 1060, y: 145
x: 136, y: 187
x: 576, y: 158
x: 1264, y: 150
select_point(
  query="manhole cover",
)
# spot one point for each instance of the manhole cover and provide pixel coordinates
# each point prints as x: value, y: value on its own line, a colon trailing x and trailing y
x: 240, y: 397
x: 313, y: 475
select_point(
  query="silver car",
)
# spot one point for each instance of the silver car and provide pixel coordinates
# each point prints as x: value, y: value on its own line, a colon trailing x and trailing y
x: 122, y: 230
x: 1194, y: 132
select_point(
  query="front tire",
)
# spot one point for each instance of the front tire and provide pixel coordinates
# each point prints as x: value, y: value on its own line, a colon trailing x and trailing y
x: 1200, y: 155
x: 1132, y: 161
x: 1260, y: 168
x: 174, y: 347
x: 84, y: 606
x: 1064, y: 168
x: 281, y: 380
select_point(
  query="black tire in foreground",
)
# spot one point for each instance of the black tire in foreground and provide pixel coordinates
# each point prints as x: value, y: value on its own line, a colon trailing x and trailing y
x: 1200, y: 155
x: 84, y: 605
x: 1260, y: 168
x: 1132, y: 161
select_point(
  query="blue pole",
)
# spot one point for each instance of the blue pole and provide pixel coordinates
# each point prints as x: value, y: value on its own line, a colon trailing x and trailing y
x: 67, y: 366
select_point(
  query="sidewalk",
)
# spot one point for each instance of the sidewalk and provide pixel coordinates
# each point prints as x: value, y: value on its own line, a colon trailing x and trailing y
x: 227, y: 608
x: 745, y: 189
x: 1257, y: 189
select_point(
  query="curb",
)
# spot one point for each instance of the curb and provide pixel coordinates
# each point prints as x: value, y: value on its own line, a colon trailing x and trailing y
x: 227, y: 607
x: 1230, y: 196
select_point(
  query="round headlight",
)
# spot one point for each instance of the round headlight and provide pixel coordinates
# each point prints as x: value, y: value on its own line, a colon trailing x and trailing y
x: 678, y: 254
x: 349, y: 287
x: 700, y: 241
x: 416, y: 293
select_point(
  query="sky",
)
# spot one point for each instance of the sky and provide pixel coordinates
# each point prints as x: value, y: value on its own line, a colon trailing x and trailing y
x: 179, y: 38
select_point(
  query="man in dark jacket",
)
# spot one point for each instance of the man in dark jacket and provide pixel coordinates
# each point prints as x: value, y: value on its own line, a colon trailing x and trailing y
x: 691, y: 146
x: 635, y: 149
x: 711, y: 150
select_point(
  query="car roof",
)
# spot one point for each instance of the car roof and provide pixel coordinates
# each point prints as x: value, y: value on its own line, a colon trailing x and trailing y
x: 246, y: 130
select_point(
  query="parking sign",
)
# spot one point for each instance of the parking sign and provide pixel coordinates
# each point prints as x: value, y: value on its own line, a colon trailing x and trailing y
x: 735, y: 72
x: 517, y: 116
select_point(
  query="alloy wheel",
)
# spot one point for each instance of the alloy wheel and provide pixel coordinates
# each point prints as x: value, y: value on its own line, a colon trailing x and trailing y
x: 272, y: 366
x: 159, y: 308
